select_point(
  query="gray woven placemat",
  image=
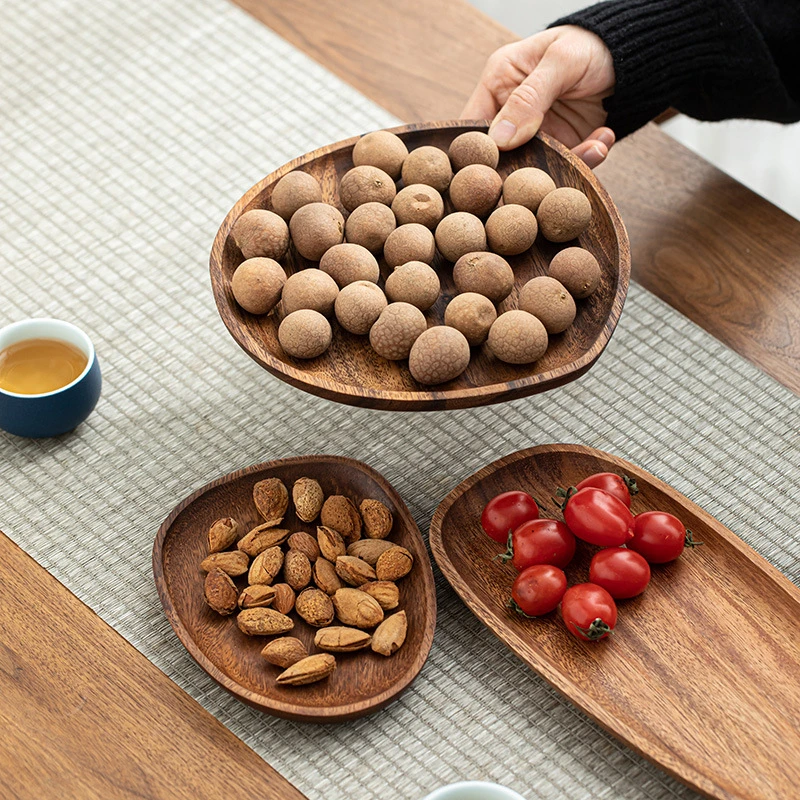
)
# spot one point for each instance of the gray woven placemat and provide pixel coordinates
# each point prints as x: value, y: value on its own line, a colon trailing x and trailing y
x: 128, y: 132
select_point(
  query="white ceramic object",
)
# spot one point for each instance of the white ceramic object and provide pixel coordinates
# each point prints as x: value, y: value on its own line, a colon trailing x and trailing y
x: 474, y: 790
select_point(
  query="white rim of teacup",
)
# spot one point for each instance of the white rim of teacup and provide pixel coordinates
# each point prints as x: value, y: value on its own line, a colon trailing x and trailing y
x: 444, y: 792
x: 48, y: 328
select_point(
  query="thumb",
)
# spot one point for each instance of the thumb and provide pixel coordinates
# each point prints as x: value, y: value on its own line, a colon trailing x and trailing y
x: 521, y: 116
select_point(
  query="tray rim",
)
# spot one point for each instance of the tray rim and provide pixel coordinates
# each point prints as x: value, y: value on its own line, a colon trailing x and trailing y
x: 660, y: 756
x: 325, y: 714
x: 432, y: 399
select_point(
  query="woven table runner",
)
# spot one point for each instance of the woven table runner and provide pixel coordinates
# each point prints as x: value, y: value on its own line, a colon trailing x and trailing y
x: 128, y: 131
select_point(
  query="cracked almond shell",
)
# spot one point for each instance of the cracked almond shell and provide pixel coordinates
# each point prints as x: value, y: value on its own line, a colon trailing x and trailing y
x: 271, y: 499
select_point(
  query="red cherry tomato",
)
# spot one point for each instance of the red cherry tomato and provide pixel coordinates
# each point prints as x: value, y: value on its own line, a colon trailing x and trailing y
x: 538, y: 590
x: 598, y: 517
x: 621, y: 486
x: 541, y: 541
x: 621, y: 572
x: 506, y: 512
x: 589, y: 612
x: 660, y: 537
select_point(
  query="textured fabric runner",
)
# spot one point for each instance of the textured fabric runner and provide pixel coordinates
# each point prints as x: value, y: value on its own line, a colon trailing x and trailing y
x: 128, y: 131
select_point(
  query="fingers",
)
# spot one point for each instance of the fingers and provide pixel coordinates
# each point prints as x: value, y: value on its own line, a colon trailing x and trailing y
x: 594, y: 150
x: 481, y: 104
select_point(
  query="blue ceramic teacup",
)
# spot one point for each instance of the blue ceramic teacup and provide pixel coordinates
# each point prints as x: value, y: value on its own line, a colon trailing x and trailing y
x: 59, y: 411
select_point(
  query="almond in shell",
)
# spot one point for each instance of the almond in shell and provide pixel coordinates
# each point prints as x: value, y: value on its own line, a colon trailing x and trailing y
x: 357, y: 608
x: 390, y: 634
x: 369, y: 549
x: 331, y: 543
x: 222, y: 534
x: 233, y: 563
x: 340, y: 513
x: 220, y: 592
x: 271, y: 499
x: 308, y: 498
x: 385, y: 592
x: 305, y: 543
x: 284, y: 598
x: 257, y: 596
x: 262, y: 538
x: 315, y: 607
x: 324, y: 574
x: 263, y: 622
x: 338, y: 639
x: 378, y: 520
x: 266, y: 566
x: 394, y: 564
x: 285, y: 651
x: 309, y: 670
x: 354, y: 571
x: 297, y: 570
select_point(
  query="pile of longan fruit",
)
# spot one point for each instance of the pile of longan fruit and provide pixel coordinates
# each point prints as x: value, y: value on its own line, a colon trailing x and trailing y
x: 407, y: 227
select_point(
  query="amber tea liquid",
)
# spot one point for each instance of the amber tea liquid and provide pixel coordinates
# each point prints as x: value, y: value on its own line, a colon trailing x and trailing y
x: 36, y: 366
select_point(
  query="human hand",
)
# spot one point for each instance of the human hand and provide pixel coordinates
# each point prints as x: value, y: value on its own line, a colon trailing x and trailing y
x: 555, y: 81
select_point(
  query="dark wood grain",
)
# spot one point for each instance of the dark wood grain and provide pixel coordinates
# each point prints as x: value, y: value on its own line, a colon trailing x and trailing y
x: 351, y: 372
x: 711, y: 248
x: 85, y: 715
x: 363, y: 682
x: 701, y: 675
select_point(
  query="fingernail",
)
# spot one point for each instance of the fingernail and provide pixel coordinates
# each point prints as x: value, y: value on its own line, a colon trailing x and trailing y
x: 594, y: 157
x: 606, y: 137
x: 502, y: 132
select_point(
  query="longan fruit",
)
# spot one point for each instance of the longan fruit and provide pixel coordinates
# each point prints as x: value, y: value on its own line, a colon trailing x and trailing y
x: 484, y: 273
x: 564, y: 214
x: 472, y: 314
x: 261, y: 234
x: 473, y: 147
x: 527, y: 187
x: 418, y: 203
x: 577, y: 269
x: 428, y: 165
x: 548, y: 301
x: 310, y: 288
x: 517, y: 337
x: 440, y: 354
x: 381, y: 149
x: 366, y: 184
x: 257, y: 284
x: 511, y: 230
x: 460, y: 233
x: 397, y: 328
x: 476, y: 189
x: 412, y: 242
x: 304, y: 334
x: 414, y: 282
x: 315, y: 228
x: 359, y: 305
x: 294, y: 190
x: 347, y: 263
x: 369, y: 225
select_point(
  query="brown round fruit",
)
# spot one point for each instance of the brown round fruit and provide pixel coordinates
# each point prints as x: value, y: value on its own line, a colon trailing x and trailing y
x: 347, y: 263
x: 428, y: 165
x: 473, y: 147
x: 397, y: 328
x: 359, y: 305
x: 293, y: 191
x: 369, y: 225
x: 517, y: 337
x: 416, y: 283
x: 309, y: 288
x: 315, y: 228
x: 366, y: 185
x: 381, y: 149
x: 577, y: 269
x: 511, y: 230
x: 305, y: 334
x: 412, y: 242
x: 548, y: 301
x: 440, y: 354
x: 418, y: 203
x: 472, y: 314
x: 458, y: 234
x: 485, y: 273
x: 261, y: 234
x: 257, y: 284
x: 564, y: 214
x: 527, y: 187
x: 475, y: 189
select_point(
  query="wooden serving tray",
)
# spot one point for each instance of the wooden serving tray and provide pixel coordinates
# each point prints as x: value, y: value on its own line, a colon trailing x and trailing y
x: 351, y: 372
x: 363, y: 681
x: 703, y: 674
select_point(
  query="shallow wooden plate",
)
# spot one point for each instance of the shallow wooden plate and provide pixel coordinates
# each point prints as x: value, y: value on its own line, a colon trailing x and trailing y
x: 702, y: 674
x: 363, y: 682
x: 351, y: 372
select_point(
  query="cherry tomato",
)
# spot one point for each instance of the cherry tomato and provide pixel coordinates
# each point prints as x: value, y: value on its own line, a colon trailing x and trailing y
x: 506, y: 512
x: 622, y: 573
x: 660, y: 537
x: 621, y: 486
x: 589, y: 611
x: 538, y: 590
x: 598, y: 517
x: 541, y: 541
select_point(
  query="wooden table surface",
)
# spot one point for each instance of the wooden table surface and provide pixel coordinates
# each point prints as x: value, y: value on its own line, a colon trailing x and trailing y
x: 83, y: 714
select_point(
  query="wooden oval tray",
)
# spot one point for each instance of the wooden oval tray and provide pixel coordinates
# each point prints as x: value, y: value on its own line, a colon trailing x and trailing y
x: 702, y: 674
x: 351, y: 372
x: 363, y: 682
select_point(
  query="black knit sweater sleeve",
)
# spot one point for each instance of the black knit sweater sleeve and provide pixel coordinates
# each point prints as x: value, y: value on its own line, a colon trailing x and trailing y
x: 710, y: 59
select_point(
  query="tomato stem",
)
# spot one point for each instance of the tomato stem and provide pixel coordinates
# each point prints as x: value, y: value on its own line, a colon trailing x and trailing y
x: 690, y: 541
x: 597, y: 630
x: 631, y: 484
x: 509, y: 553
x: 564, y: 495
x: 514, y: 607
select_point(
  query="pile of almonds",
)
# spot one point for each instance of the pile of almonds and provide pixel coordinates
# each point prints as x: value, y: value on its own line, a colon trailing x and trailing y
x: 341, y: 581
x: 394, y: 206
